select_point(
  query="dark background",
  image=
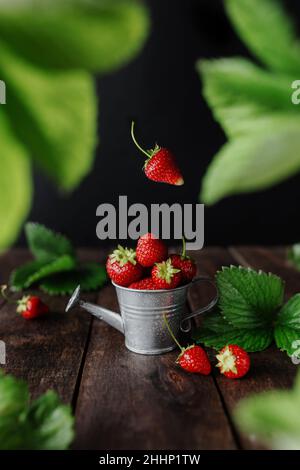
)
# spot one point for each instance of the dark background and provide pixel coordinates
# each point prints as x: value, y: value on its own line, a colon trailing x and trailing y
x: 161, y: 90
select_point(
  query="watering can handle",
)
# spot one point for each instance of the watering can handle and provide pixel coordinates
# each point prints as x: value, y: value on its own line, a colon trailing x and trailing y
x: 212, y: 303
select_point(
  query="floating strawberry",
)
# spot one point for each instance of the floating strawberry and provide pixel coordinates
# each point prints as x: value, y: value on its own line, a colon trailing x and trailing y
x: 144, y: 284
x: 160, y: 164
x: 185, y: 264
x: 234, y: 361
x: 122, y: 267
x: 150, y: 250
x: 30, y: 306
x: 165, y: 276
x: 193, y: 358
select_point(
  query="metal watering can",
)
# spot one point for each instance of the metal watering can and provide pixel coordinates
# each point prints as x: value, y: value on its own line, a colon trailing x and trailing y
x: 142, y: 315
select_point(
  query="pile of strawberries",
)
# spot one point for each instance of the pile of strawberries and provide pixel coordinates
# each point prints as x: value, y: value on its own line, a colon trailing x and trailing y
x: 149, y: 267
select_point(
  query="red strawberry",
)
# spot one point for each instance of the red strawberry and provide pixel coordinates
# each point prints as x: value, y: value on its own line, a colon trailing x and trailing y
x: 122, y: 267
x: 31, y: 306
x: 160, y: 164
x: 150, y: 250
x: 194, y: 359
x: 143, y: 284
x: 165, y: 276
x: 234, y: 361
x: 185, y: 264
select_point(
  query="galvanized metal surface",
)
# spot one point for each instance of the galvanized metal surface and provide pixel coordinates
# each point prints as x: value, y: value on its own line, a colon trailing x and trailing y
x: 142, y: 315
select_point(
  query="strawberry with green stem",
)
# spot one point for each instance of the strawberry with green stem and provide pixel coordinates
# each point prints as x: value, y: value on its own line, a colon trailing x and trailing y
x: 165, y: 276
x: 29, y: 306
x: 122, y: 266
x: 160, y: 165
x: 192, y: 358
x: 183, y: 262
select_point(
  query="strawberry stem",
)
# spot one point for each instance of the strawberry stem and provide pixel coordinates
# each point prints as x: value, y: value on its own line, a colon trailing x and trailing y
x: 171, y: 333
x: 135, y: 141
x: 3, y: 289
x: 183, y: 248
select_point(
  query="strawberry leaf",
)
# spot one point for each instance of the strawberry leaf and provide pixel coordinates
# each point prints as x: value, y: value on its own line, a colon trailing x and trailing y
x: 287, y: 339
x: 248, y: 299
x: 90, y: 276
x: 289, y: 315
x: 45, y: 244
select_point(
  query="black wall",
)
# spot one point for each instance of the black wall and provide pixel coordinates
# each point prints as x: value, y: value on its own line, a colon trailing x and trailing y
x: 162, y: 92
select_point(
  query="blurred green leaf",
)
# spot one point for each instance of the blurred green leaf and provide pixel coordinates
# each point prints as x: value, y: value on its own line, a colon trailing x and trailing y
x: 242, y: 95
x: 32, y: 272
x: 90, y: 276
x: 286, y: 338
x: 45, y: 424
x: 96, y: 35
x: 267, y: 155
x: 45, y: 244
x: 54, y: 115
x: 268, y: 32
x: 15, y: 184
x: 272, y: 417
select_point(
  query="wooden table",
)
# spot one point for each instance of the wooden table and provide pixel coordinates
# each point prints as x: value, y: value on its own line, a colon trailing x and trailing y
x: 126, y: 401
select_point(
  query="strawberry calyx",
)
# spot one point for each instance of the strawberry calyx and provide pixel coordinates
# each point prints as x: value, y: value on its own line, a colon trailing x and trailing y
x: 22, y: 304
x: 166, y: 271
x: 123, y: 256
x: 227, y: 361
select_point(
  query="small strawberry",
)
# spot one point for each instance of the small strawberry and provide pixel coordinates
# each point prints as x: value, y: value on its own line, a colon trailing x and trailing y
x: 144, y: 284
x: 160, y: 164
x: 193, y: 358
x: 122, y: 267
x: 165, y: 276
x: 234, y: 361
x: 150, y: 250
x: 185, y: 264
x: 31, y: 306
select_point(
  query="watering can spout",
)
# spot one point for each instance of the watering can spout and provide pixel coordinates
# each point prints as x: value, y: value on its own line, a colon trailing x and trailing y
x: 111, y: 318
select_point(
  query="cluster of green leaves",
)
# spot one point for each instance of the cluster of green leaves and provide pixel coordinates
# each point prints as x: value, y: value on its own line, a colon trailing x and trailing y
x: 253, y: 104
x: 272, y: 417
x: 251, y: 313
x: 48, y: 52
x: 43, y: 424
x: 55, y: 266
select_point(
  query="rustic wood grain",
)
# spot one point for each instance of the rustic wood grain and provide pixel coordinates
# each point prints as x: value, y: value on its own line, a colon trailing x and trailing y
x: 130, y: 401
x: 47, y: 352
x: 271, y: 368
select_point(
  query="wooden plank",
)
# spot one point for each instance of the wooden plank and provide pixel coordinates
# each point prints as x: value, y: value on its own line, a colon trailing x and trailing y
x: 271, y: 368
x: 46, y: 352
x: 130, y: 401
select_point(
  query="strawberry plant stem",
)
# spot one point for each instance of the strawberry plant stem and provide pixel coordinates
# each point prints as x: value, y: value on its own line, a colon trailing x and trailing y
x: 171, y: 333
x: 135, y: 141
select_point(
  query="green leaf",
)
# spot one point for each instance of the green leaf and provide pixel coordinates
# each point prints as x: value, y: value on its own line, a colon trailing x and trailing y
x: 269, y: 154
x: 268, y: 32
x: 272, y: 417
x: 289, y: 314
x: 15, y: 184
x: 248, y: 299
x: 90, y: 276
x: 45, y: 244
x: 54, y: 115
x: 252, y: 340
x: 287, y: 339
x: 294, y: 255
x: 14, y: 395
x: 32, y: 272
x: 51, y: 422
x: 241, y: 94
x: 96, y: 35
